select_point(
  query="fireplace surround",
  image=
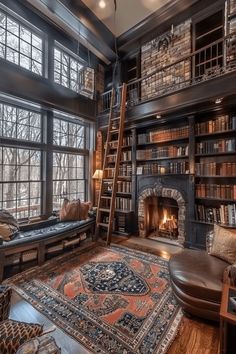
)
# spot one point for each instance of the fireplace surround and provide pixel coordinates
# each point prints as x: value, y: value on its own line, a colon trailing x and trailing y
x: 158, y: 190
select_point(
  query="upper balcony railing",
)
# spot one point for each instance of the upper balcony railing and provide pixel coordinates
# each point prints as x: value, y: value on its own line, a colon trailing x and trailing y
x: 214, y: 60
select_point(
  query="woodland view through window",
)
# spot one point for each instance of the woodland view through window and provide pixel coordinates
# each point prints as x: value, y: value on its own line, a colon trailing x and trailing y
x: 71, y: 73
x: 20, y: 45
x: 23, y: 157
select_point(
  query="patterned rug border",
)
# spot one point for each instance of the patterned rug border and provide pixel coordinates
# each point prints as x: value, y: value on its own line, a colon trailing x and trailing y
x: 169, y: 335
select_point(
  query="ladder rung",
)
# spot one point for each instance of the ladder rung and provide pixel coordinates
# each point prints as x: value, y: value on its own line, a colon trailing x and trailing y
x: 115, y: 118
x: 111, y: 155
x: 114, y: 131
x: 104, y: 209
x: 109, y: 168
x: 107, y: 179
x: 105, y: 197
x: 102, y: 224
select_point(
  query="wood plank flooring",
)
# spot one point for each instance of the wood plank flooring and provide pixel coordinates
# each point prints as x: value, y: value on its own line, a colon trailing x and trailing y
x: 194, y: 337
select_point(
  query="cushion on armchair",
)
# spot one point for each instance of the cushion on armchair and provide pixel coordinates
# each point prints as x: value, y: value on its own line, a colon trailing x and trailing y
x: 224, y: 244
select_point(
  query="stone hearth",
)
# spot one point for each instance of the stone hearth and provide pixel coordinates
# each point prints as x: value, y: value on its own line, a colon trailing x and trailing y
x: 159, y: 191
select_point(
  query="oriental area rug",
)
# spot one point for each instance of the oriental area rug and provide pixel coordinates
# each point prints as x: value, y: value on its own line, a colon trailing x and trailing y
x: 113, y: 300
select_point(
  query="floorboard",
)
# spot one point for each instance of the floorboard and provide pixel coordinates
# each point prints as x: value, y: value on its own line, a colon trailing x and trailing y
x: 194, y: 337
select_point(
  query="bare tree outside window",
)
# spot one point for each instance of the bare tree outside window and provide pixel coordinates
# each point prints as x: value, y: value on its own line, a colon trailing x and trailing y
x: 20, y: 45
x: 68, y: 177
x: 20, y: 171
x: 69, y: 72
x: 68, y: 168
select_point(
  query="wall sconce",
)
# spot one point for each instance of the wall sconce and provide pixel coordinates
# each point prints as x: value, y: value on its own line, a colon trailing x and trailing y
x: 98, y: 174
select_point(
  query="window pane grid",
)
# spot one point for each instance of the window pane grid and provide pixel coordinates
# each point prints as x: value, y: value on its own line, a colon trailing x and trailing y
x: 20, y: 181
x: 20, y: 45
x: 19, y: 123
x: 70, y: 73
x: 68, y: 177
x: 68, y: 134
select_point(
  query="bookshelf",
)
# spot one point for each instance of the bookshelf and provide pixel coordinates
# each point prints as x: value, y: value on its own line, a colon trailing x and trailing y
x: 163, y: 150
x: 196, y: 154
x: 215, y: 169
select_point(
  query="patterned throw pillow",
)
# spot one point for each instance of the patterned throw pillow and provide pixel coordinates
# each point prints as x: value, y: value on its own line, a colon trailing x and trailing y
x: 7, y: 231
x: 14, y: 333
x: 224, y: 244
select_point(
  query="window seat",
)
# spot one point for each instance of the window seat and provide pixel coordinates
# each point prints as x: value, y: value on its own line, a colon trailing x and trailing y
x: 41, y: 240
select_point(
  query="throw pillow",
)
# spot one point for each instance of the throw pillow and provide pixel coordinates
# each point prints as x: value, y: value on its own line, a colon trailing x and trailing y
x: 8, y: 218
x: 224, y: 244
x: 84, y: 209
x: 70, y: 211
x: 14, y: 333
x: 7, y: 231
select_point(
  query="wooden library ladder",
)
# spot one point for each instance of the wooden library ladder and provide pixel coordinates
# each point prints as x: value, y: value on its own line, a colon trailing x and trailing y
x: 110, y: 176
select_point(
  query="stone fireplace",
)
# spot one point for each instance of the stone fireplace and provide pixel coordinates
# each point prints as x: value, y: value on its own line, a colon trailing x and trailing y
x: 165, y: 216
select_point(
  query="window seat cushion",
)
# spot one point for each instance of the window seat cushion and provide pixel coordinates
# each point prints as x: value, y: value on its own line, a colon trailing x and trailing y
x: 37, y: 234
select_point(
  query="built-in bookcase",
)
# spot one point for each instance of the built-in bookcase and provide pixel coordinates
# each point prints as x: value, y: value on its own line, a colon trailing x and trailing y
x: 163, y: 150
x: 198, y: 151
x: 215, y: 166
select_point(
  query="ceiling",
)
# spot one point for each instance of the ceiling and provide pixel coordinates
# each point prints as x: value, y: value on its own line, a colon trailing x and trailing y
x: 128, y: 14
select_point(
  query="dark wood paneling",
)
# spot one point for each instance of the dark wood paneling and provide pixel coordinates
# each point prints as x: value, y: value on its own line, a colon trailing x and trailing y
x: 21, y: 83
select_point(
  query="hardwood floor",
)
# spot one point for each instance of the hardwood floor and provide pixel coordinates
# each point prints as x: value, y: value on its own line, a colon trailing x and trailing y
x: 194, y: 336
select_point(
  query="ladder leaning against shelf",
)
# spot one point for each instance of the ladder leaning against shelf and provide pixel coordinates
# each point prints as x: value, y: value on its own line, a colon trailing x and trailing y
x: 108, y: 187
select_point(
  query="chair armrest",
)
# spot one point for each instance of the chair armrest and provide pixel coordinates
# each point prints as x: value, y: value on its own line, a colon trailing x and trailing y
x: 230, y: 275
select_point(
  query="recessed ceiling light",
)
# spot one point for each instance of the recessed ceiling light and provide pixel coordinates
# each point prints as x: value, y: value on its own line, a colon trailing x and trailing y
x: 219, y: 100
x: 102, y: 4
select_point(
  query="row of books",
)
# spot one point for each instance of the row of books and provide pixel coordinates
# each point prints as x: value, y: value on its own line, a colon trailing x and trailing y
x: 216, y: 169
x: 157, y: 136
x: 224, y: 214
x: 220, y: 124
x: 123, y: 203
x: 124, y: 171
x: 156, y: 169
x: 167, y: 151
x: 124, y: 187
x: 120, y: 223
x: 127, y: 140
x: 222, y: 145
x: 219, y: 191
x: 126, y: 155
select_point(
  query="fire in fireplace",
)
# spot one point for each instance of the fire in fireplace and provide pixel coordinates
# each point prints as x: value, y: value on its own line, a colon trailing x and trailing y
x: 161, y: 217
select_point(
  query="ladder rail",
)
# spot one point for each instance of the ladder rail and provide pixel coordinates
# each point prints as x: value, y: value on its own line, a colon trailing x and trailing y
x: 115, y: 175
x: 104, y: 161
x: 117, y: 162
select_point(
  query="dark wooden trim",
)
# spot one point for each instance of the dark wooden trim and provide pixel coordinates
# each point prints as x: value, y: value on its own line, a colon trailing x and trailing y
x: 24, y: 84
x: 69, y: 17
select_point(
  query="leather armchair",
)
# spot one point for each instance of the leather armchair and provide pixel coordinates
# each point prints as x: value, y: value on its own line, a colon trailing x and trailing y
x: 197, y: 279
